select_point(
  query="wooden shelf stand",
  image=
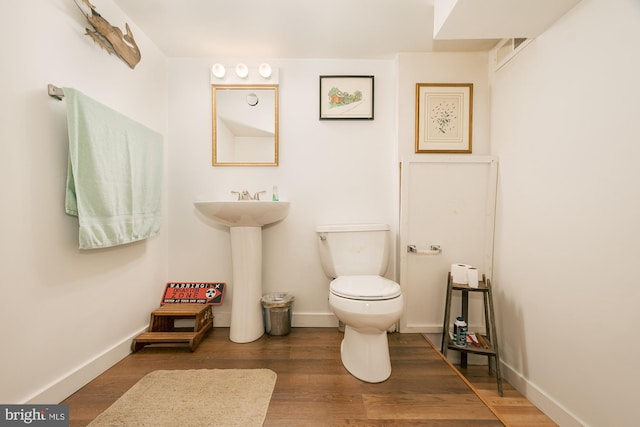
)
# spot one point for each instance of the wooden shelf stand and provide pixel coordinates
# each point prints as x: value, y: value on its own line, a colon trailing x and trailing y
x: 490, y: 337
x: 162, y: 329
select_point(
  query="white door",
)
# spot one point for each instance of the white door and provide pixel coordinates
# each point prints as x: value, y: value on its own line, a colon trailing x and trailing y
x: 447, y: 202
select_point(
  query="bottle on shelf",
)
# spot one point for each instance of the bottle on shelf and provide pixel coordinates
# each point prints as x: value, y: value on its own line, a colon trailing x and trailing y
x: 460, y: 332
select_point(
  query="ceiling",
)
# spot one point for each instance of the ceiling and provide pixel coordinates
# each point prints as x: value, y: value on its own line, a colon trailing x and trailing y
x: 352, y: 29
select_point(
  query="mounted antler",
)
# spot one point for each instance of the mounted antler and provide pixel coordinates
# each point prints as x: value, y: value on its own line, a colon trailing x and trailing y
x: 109, y: 37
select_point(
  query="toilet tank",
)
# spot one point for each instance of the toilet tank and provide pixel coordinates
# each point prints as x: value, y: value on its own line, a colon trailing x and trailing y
x: 354, y: 249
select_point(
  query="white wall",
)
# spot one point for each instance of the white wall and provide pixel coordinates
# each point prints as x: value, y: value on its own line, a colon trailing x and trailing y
x: 65, y: 314
x: 331, y: 172
x: 564, y: 124
x: 437, y: 67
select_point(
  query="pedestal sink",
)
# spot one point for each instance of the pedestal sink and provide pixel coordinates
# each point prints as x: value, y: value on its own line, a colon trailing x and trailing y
x: 245, y: 219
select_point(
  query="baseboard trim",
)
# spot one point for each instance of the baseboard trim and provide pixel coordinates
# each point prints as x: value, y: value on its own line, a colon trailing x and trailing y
x: 68, y: 384
x: 314, y: 320
x: 421, y: 329
x: 299, y: 320
x: 554, y: 410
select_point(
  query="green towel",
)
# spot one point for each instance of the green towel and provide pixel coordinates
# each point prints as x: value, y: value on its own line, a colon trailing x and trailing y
x: 114, y: 176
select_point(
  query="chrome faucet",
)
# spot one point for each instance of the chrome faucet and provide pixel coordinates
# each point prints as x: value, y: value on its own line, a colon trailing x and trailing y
x: 243, y: 195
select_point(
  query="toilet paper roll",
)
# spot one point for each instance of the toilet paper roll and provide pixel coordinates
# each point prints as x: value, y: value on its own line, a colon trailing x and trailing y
x: 472, y: 277
x: 459, y: 273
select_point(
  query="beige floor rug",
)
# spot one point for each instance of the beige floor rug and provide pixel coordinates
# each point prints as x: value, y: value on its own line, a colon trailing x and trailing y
x: 195, y: 397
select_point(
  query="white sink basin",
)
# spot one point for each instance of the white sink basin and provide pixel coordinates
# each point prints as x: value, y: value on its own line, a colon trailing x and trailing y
x: 244, y: 213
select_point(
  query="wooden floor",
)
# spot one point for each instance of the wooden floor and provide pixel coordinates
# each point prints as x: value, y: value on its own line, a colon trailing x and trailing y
x: 314, y: 389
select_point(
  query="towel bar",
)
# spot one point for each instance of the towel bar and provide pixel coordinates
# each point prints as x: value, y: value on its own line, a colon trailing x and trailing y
x: 55, y: 92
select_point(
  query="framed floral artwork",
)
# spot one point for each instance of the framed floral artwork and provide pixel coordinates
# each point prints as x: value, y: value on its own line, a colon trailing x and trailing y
x: 444, y: 117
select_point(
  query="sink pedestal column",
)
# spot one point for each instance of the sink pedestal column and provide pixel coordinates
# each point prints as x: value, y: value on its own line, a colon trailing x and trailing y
x: 246, y: 309
x: 245, y: 219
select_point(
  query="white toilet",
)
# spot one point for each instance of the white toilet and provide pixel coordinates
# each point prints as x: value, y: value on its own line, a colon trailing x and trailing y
x: 356, y: 256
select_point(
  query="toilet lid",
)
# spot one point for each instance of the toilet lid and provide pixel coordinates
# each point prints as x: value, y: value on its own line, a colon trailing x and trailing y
x: 364, y: 287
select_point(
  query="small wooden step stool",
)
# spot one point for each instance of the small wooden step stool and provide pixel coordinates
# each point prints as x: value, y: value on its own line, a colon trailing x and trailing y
x: 490, y: 340
x: 162, y: 327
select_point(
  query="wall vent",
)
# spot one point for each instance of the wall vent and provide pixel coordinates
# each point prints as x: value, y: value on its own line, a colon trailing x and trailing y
x: 507, y: 49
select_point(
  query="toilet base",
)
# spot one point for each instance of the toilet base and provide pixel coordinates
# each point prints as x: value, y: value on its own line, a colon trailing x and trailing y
x: 366, y: 355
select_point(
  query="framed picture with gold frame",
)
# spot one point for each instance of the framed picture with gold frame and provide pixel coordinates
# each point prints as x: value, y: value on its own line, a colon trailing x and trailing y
x: 444, y: 115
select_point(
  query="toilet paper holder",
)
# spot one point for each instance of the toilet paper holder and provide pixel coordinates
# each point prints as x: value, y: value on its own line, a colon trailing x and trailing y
x: 433, y: 250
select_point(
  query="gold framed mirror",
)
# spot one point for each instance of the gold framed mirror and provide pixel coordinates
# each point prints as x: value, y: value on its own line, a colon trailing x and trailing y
x: 245, y: 125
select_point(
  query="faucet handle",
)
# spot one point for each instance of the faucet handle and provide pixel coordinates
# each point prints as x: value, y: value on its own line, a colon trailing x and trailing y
x: 257, y: 195
x: 243, y: 195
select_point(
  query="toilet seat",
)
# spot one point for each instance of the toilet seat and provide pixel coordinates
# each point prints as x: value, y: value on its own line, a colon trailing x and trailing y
x: 367, y: 288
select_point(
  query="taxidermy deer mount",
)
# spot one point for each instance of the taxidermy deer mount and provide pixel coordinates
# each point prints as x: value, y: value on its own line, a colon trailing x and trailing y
x: 110, y: 38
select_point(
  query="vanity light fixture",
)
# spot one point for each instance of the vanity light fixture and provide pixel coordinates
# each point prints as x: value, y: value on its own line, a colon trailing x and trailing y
x: 242, y: 71
x: 218, y: 70
x: 243, y: 74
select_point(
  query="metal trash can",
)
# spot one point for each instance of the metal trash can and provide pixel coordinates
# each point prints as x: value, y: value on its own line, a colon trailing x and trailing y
x: 276, y: 311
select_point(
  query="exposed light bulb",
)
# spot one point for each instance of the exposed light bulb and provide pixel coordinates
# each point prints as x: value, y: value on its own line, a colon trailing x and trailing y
x: 265, y: 70
x: 242, y: 71
x: 218, y: 70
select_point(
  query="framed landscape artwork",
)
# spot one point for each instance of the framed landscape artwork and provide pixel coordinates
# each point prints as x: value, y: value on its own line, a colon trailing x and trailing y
x: 346, y: 97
